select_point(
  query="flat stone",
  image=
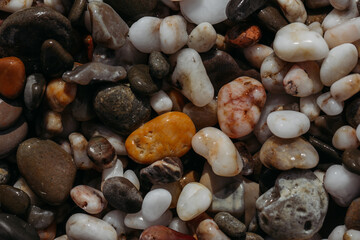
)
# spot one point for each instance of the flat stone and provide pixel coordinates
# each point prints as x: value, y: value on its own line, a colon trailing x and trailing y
x: 12, y: 227
x: 13, y: 200
x: 230, y: 225
x: 48, y: 169
x: 12, y: 137
x: 10, y: 112
x: 141, y: 81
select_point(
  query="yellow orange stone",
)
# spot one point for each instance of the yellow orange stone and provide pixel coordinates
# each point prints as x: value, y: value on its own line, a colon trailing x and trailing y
x: 59, y: 94
x: 12, y: 77
x: 168, y: 135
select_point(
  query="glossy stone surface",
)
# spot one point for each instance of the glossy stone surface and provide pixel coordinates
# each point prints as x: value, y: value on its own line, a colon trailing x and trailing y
x: 238, y: 10
x: 13, y: 200
x: 12, y: 227
x: 12, y: 77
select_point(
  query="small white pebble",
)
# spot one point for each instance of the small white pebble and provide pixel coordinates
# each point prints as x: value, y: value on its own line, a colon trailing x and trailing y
x: 345, y: 138
x: 161, y: 102
x: 329, y: 105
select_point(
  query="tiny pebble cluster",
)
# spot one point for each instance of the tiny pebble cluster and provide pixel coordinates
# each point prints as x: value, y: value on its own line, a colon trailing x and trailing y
x: 179, y: 120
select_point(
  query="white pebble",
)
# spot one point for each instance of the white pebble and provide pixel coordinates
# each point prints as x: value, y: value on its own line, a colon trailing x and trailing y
x: 212, y: 11
x: 161, y: 102
x: 340, y: 4
x: 115, y: 171
x: 336, y: 16
x: 85, y: 227
x: 346, y: 32
x: 358, y: 132
x: 345, y: 138
x: 316, y: 27
x: 79, y: 145
x: 191, y: 75
x: 340, y: 61
x: 219, y: 151
x: 137, y: 221
x: 173, y: 34
x: 296, y: 43
x: 329, y: 105
x: 288, y: 124
x: 179, y: 225
x: 352, y: 234
x: 131, y: 176
x: 256, y: 54
x: 155, y: 203
x: 194, y: 199
x: 89, y: 199
x: 294, y: 10
x: 346, y: 87
x: 116, y: 219
x: 342, y: 185
x: 202, y: 38
x: 337, y: 233
x: 144, y: 34
x: 272, y: 72
x: 309, y: 107
x: 15, y: 5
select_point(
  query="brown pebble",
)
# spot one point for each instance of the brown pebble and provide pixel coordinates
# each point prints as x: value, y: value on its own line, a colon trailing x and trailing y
x: 101, y: 152
x: 352, y: 218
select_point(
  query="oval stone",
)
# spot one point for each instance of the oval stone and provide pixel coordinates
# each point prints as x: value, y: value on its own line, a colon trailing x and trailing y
x: 12, y: 227
x: 34, y: 90
x: 10, y: 111
x: 48, y: 169
x: 351, y: 160
x: 168, y: 135
x: 239, y: 106
x: 12, y: 77
x: 11, y: 137
x: 230, y: 225
x: 13, y: 200
x: 141, y: 81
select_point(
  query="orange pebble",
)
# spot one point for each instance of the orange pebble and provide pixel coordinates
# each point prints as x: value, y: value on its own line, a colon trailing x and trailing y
x: 178, y: 100
x: 48, y: 233
x: 12, y: 77
x: 168, y: 135
x: 241, y: 38
x: 59, y: 94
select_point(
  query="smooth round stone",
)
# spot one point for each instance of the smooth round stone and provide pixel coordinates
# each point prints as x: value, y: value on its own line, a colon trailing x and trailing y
x: 346, y: 32
x: 55, y: 59
x: 159, y: 66
x: 116, y: 219
x: 202, y: 38
x: 345, y: 138
x: 194, y: 199
x: 346, y: 87
x: 230, y: 225
x: 285, y: 154
x: 10, y: 112
x: 288, y: 124
x: 352, y: 218
x: 13, y: 200
x: 352, y: 113
x: 137, y: 221
x: 309, y: 107
x: 122, y: 194
x: 15, y: 5
x: 12, y: 76
x: 155, y: 203
x: 161, y: 102
x: 239, y: 10
x: 34, y: 90
x: 119, y: 108
x: 85, y: 227
x: 132, y: 8
x: 10, y: 138
x: 294, y: 10
x: 295, y: 207
x: 296, y: 43
x: 60, y: 94
x: 337, y: 233
x: 40, y: 218
x: 89, y: 199
x: 48, y: 169
x: 168, y: 135
x: 256, y: 54
x: 76, y: 11
x: 219, y: 151
x: 101, y: 152
x: 271, y: 18
x: 351, y: 234
x: 209, y: 230
x: 12, y: 227
x: 173, y: 34
x: 351, y: 160
x: 329, y: 105
x: 141, y: 81
x: 163, y: 233
x: 179, y: 225
x: 211, y: 11
x: 131, y: 176
x: 239, y: 106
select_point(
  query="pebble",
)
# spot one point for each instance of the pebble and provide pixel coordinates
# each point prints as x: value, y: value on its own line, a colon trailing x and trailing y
x: 168, y: 135
x: 352, y: 220
x: 94, y: 72
x: 294, y: 10
x: 161, y: 102
x: 131, y: 176
x: 351, y: 234
x: 163, y: 233
x: 239, y: 10
x: 59, y: 94
x: 12, y: 227
x: 202, y: 116
x: 89, y: 199
x: 340, y: 4
x: 211, y: 11
x: 12, y: 77
x: 79, y: 145
x: 337, y: 16
x: 155, y: 203
x: 85, y: 227
x: 271, y: 18
x: 10, y: 111
x: 145, y: 35
x: 108, y: 28
x: 10, y: 138
x: 202, y: 38
x: 345, y: 87
x: 119, y: 108
x: 342, y: 185
x: 42, y: 161
x: 15, y: 5
x: 352, y: 113
x: 167, y: 170
x: 115, y: 171
x: 240, y: 37
x: 285, y: 154
x: 14, y: 200
x: 122, y: 194
x: 34, y: 90
x: 358, y: 132
x: 309, y: 107
x: 159, y: 65
x: 40, y: 218
x: 292, y: 43
x: 101, y: 152
x: 337, y: 233
x: 140, y: 80
x: 137, y: 221
x: 178, y: 225
x: 295, y: 207
x: 351, y: 160
x: 4, y: 173
x: 345, y: 138
x: 76, y: 11
x: 288, y: 124
x: 173, y: 34
x: 116, y: 219
x: 346, y: 32
x: 244, y: 98
x: 131, y: 8
x: 329, y: 105
x: 191, y: 79
x: 209, y: 230
x: 22, y: 185
x: 194, y: 199
x: 257, y: 53
x: 219, y: 151
x: 49, y: 233
x: 230, y: 225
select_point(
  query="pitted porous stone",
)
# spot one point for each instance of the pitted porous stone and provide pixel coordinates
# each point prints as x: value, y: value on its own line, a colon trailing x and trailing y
x: 295, y: 207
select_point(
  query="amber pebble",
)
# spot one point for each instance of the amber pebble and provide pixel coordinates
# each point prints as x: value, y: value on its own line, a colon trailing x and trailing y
x: 168, y: 135
x: 163, y: 233
x: 352, y: 218
x: 189, y: 177
x: 12, y: 77
x: 59, y: 94
x: 239, y: 37
x: 177, y: 99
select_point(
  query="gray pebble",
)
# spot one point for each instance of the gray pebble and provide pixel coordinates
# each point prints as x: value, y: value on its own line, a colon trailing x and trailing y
x: 230, y: 225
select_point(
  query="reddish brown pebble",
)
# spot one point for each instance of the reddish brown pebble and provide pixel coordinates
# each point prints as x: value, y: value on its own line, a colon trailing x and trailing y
x: 163, y: 233
x: 352, y: 218
x: 12, y: 77
x: 239, y: 37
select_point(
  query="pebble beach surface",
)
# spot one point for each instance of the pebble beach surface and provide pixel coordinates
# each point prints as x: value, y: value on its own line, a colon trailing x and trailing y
x: 179, y: 120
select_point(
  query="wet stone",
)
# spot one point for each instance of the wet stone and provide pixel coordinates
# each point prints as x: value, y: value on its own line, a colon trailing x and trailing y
x: 230, y: 225
x: 158, y: 65
x: 55, y: 59
x: 239, y: 10
x: 4, y: 173
x: 132, y: 8
x: 119, y: 108
x: 42, y: 161
x: 40, y: 218
x: 351, y: 160
x: 101, y: 152
x: 272, y: 18
x: 11, y: 137
x: 34, y: 90
x: 12, y: 77
x: 122, y: 195
x: 12, y: 227
x: 352, y: 218
x: 76, y: 11
x: 167, y: 170
x: 13, y: 200
x: 10, y: 112
x: 141, y: 81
